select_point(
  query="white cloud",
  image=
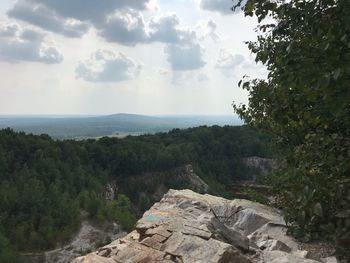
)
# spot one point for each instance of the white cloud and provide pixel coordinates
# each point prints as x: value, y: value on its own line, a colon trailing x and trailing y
x: 23, y: 44
x: 182, y: 48
x: 47, y: 19
x: 118, y: 22
x: 189, y: 78
x: 8, y: 29
x: 90, y: 10
x: 202, y: 77
x: 108, y: 66
x: 227, y: 60
x: 74, y: 18
x: 164, y: 72
x: 127, y: 28
x: 166, y: 29
x: 185, y: 57
x: 207, y: 28
x: 24, y: 89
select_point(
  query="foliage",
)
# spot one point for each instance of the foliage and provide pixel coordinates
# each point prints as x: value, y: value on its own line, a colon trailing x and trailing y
x: 101, y: 210
x: 7, y: 253
x: 44, y: 184
x: 304, y: 103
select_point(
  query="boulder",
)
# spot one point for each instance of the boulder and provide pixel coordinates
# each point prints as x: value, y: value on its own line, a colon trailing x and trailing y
x: 188, y: 227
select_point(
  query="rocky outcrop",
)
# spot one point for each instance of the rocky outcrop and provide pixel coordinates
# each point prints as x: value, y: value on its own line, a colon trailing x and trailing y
x: 186, y: 174
x: 110, y: 192
x: 88, y: 239
x: 188, y: 227
x: 181, y: 175
x: 262, y: 165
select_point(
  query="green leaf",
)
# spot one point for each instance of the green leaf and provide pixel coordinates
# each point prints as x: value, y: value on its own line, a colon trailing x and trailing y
x: 249, y: 7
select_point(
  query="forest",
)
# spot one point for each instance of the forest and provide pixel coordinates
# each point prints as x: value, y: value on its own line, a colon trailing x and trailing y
x: 45, y: 184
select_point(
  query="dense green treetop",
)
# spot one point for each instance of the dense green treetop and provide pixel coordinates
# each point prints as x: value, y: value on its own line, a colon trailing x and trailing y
x: 305, y: 104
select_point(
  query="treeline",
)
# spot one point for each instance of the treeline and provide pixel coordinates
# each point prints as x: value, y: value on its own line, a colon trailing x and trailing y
x: 45, y: 184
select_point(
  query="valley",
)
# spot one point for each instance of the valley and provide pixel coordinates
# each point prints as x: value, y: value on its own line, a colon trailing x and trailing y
x: 120, y: 125
x: 47, y: 185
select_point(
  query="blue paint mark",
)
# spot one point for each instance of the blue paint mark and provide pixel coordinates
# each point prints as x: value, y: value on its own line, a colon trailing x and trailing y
x: 153, y: 218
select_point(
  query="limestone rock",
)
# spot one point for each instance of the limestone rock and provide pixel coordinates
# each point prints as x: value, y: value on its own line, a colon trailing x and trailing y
x: 187, y: 174
x: 263, y: 165
x: 110, y: 191
x: 188, y: 227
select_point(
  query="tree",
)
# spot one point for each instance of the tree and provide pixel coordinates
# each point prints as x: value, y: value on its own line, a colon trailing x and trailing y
x: 7, y: 253
x: 305, y: 104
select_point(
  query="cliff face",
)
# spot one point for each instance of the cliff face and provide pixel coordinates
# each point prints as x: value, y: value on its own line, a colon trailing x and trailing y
x: 188, y: 227
x: 87, y: 239
x: 181, y: 175
x: 263, y: 166
x: 152, y: 186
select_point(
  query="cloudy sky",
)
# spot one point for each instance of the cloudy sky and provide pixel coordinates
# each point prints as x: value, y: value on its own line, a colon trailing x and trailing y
x: 134, y: 56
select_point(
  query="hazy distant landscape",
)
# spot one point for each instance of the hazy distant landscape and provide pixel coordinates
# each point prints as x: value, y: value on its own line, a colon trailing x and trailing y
x: 131, y: 116
x: 118, y: 125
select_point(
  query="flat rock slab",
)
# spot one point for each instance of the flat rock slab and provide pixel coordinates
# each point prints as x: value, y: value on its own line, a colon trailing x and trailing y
x: 187, y: 227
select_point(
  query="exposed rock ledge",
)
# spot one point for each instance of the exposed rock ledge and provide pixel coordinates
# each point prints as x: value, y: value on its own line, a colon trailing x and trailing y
x: 188, y: 227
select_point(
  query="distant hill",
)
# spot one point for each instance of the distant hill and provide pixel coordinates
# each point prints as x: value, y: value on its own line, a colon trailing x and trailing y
x: 119, y: 125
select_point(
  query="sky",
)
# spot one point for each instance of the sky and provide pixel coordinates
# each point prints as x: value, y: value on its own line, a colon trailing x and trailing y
x: 151, y: 57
